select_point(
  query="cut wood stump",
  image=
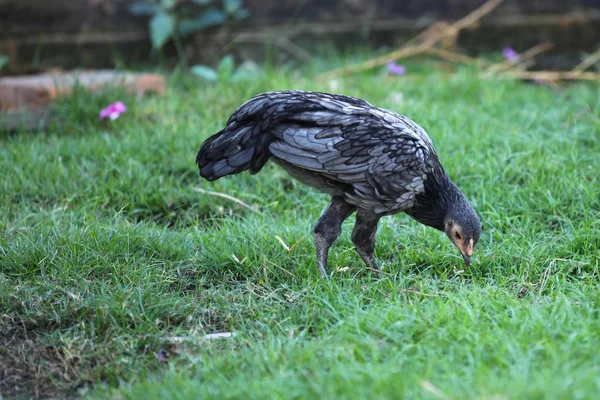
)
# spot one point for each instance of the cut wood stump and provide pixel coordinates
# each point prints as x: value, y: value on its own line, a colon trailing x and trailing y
x: 37, y: 90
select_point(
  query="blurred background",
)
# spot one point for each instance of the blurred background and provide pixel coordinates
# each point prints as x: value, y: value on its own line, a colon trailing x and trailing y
x: 41, y: 34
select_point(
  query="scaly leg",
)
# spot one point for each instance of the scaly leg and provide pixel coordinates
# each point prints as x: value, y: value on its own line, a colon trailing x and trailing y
x: 363, y: 237
x: 328, y: 228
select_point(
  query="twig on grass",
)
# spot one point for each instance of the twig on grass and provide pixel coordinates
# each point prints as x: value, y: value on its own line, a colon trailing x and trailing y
x: 297, y: 243
x: 455, y: 57
x: 237, y: 260
x: 373, y: 63
x: 285, y: 246
x: 378, y: 271
x: 281, y: 268
x: 588, y: 61
x: 225, y: 196
x: 526, y: 55
x: 432, y: 389
x: 550, y: 75
x: 291, y: 248
x: 208, y: 336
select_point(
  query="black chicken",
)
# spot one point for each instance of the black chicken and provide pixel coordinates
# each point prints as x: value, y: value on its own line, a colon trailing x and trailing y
x: 370, y: 160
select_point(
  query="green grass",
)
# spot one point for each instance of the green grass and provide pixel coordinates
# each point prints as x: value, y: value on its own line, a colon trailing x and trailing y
x: 109, y: 256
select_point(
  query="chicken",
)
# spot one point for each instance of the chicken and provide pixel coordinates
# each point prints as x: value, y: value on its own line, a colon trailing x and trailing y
x: 370, y: 161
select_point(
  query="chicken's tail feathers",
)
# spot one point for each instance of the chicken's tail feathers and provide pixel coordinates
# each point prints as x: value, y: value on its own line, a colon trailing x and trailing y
x: 237, y: 148
x: 244, y: 143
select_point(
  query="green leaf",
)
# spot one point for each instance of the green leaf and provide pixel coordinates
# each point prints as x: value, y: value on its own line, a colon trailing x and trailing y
x: 210, y: 17
x: 161, y: 29
x: 204, y: 72
x: 3, y: 60
x: 225, y: 67
x: 142, y: 9
x: 202, y: 2
x: 231, y: 6
x: 168, y: 4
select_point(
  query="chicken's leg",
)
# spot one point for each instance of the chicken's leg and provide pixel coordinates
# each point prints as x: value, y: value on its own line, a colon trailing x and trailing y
x: 328, y: 228
x: 363, y: 237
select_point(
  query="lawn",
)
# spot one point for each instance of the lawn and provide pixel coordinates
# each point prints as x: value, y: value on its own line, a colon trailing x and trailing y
x: 115, y: 264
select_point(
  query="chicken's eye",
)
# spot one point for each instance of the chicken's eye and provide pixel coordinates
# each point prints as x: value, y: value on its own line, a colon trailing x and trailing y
x: 457, y: 236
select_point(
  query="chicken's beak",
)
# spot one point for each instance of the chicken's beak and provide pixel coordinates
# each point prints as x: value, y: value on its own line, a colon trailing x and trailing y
x: 467, y: 252
x: 467, y: 259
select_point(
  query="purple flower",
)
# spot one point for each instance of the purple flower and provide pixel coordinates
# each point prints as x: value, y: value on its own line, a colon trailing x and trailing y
x: 510, y: 54
x: 113, y: 110
x: 395, y: 69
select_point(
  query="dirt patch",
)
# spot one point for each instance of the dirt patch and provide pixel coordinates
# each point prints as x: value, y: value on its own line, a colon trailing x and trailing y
x: 181, y: 214
x: 30, y: 368
x: 169, y: 215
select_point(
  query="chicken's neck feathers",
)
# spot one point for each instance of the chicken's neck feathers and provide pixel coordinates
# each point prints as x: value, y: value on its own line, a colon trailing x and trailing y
x: 439, y: 199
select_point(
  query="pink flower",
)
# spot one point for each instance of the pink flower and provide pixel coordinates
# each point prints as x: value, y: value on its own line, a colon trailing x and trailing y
x: 395, y: 69
x: 113, y: 110
x: 510, y: 54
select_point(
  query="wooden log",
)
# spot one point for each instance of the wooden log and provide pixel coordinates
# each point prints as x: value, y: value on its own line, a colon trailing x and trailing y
x: 37, y: 90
